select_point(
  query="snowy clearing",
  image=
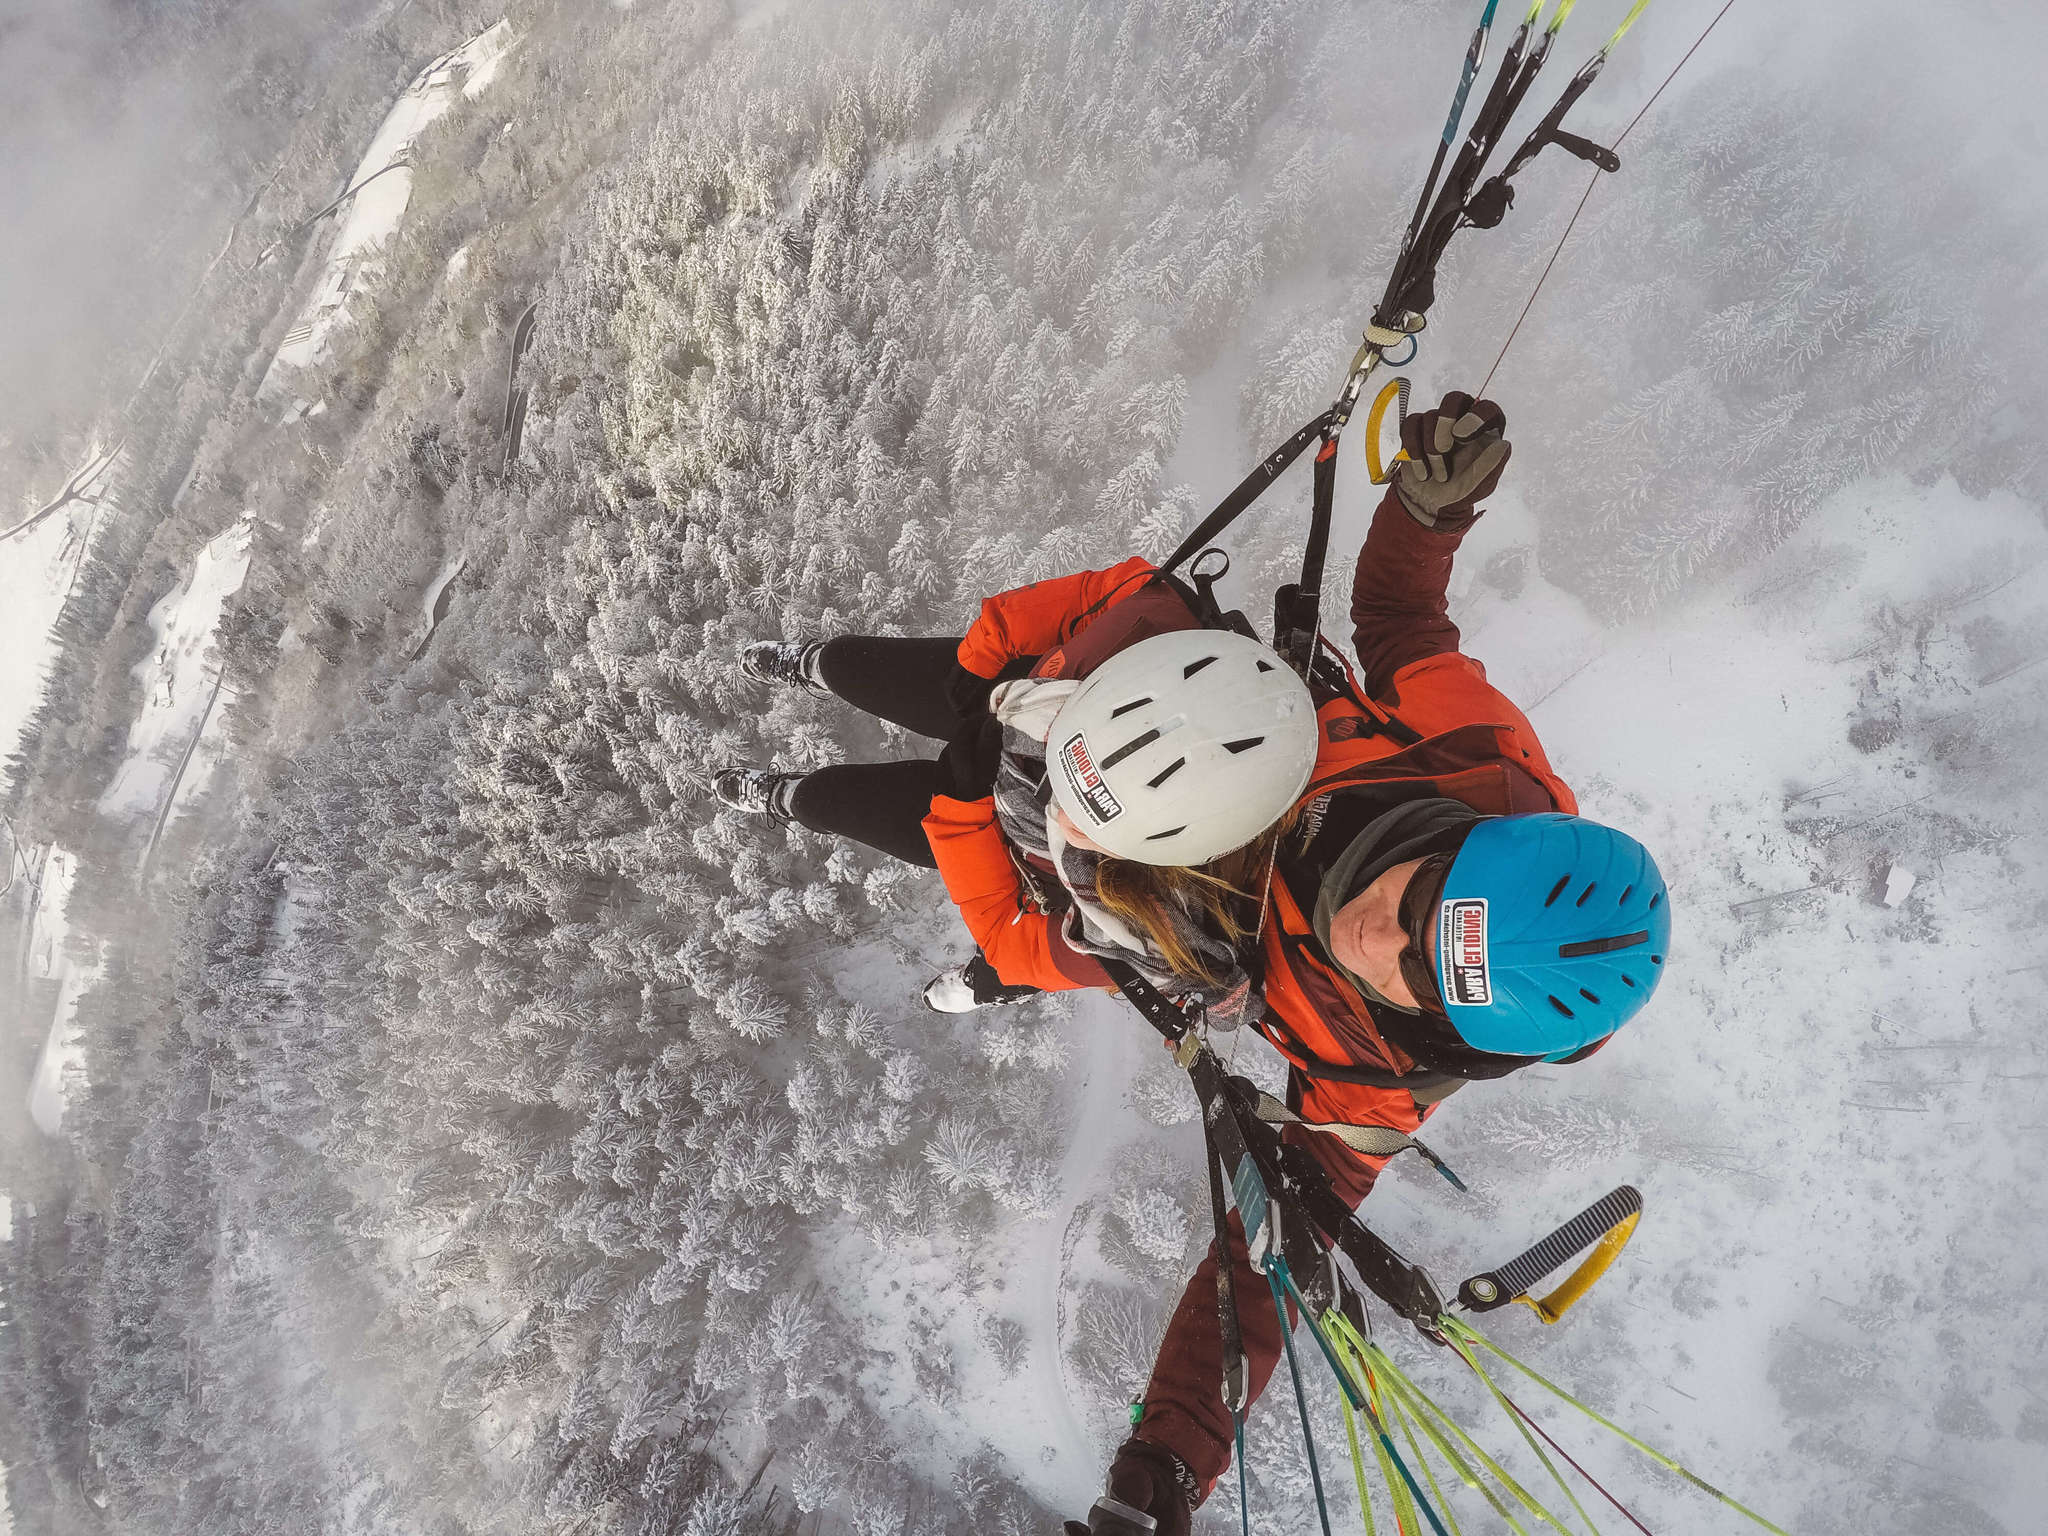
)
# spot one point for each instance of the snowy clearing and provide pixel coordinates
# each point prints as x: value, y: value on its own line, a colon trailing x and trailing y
x: 354, y: 257
x: 179, y: 687
x: 433, y: 604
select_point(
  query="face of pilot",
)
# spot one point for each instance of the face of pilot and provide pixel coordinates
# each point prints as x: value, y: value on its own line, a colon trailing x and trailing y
x: 1366, y: 936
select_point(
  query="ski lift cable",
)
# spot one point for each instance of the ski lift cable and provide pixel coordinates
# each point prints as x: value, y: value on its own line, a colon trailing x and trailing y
x: 1558, y: 250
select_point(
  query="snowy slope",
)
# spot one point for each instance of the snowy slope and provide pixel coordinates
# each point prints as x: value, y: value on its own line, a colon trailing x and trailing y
x: 373, y: 215
x: 169, y: 750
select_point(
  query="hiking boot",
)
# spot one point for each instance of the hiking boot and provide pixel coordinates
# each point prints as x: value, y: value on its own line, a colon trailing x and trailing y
x: 781, y: 664
x: 968, y: 987
x: 757, y: 791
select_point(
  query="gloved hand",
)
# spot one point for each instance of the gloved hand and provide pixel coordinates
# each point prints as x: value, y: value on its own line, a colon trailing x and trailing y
x: 967, y: 692
x: 967, y: 768
x: 1151, y: 1478
x: 1455, y: 457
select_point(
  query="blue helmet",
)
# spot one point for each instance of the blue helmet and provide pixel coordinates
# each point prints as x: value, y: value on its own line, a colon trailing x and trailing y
x: 1551, y: 933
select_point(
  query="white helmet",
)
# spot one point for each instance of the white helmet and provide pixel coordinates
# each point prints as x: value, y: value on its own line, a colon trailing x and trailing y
x: 1183, y: 747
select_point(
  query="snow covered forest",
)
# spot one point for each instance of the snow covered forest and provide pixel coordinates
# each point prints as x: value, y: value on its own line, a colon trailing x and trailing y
x: 456, y: 1122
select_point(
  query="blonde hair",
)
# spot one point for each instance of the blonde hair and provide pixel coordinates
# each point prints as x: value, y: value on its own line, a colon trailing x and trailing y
x: 1225, y: 897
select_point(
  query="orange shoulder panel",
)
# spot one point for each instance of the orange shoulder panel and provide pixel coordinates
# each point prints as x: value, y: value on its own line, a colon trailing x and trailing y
x: 1028, y: 621
x: 1446, y: 691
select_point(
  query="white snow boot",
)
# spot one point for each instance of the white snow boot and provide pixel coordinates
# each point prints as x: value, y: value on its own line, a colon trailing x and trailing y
x: 968, y: 987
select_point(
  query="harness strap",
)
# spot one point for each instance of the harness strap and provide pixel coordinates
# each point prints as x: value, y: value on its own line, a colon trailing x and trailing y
x: 1232, y: 1336
x: 1372, y: 1140
x: 1247, y: 491
x: 1367, y: 1140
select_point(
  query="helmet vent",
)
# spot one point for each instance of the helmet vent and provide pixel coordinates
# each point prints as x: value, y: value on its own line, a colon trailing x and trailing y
x: 1263, y: 666
x: 1557, y: 890
x: 1588, y: 891
x: 1656, y: 959
x: 1626, y: 892
x: 1167, y: 772
x: 1170, y: 832
x: 1125, y: 709
x: 1628, y: 979
x: 1589, y: 997
x: 1603, y: 946
x: 1560, y: 1007
x: 1196, y: 665
x: 1244, y: 745
x: 1128, y: 748
x: 1655, y: 899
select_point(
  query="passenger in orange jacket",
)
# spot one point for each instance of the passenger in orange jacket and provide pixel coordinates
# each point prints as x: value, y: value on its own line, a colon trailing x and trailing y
x: 1426, y: 909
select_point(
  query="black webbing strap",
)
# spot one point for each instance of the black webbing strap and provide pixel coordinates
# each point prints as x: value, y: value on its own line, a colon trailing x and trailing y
x: 1290, y: 1173
x: 1294, y: 1175
x: 1232, y: 1336
x: 1412, y: 285
x: 1247, y: 491
x: 1297, y: 606
x: 1489, y: 205
x: 1316, y: 551
x: 1159, y: 1010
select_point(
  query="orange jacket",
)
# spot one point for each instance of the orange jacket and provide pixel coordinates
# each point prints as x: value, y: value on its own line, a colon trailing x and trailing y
x: 975, y: 860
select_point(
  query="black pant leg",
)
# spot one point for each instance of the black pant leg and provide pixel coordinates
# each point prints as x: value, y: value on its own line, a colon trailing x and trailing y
x: 901, y: 680
x: 880, y: 804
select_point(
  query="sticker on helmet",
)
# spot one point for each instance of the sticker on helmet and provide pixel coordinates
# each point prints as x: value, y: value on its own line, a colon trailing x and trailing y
x: 1461, y: 953
x: 1082, y: 778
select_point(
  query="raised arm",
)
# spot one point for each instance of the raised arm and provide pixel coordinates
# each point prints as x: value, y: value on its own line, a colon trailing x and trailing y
x: 1398, y: 610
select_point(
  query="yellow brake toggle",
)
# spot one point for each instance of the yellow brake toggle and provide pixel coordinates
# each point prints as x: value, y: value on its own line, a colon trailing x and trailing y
x: 1591, y: 1268
x: 1395, y: 388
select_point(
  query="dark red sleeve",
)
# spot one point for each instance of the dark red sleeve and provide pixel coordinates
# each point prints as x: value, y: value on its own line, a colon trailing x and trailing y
x: 1184, y: 1401
x: 1398, y: 611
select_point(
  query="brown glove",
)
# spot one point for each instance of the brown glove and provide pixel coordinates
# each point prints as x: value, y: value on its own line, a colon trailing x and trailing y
x: 1151, y: 1478
x: 1455, y: 457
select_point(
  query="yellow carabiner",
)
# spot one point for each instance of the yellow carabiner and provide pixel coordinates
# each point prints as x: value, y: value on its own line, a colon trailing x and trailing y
x: 1395, y: 387
x: 1591, y: 1268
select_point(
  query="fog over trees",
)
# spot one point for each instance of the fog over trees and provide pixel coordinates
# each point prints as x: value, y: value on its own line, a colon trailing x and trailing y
x: 479, y: 1129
